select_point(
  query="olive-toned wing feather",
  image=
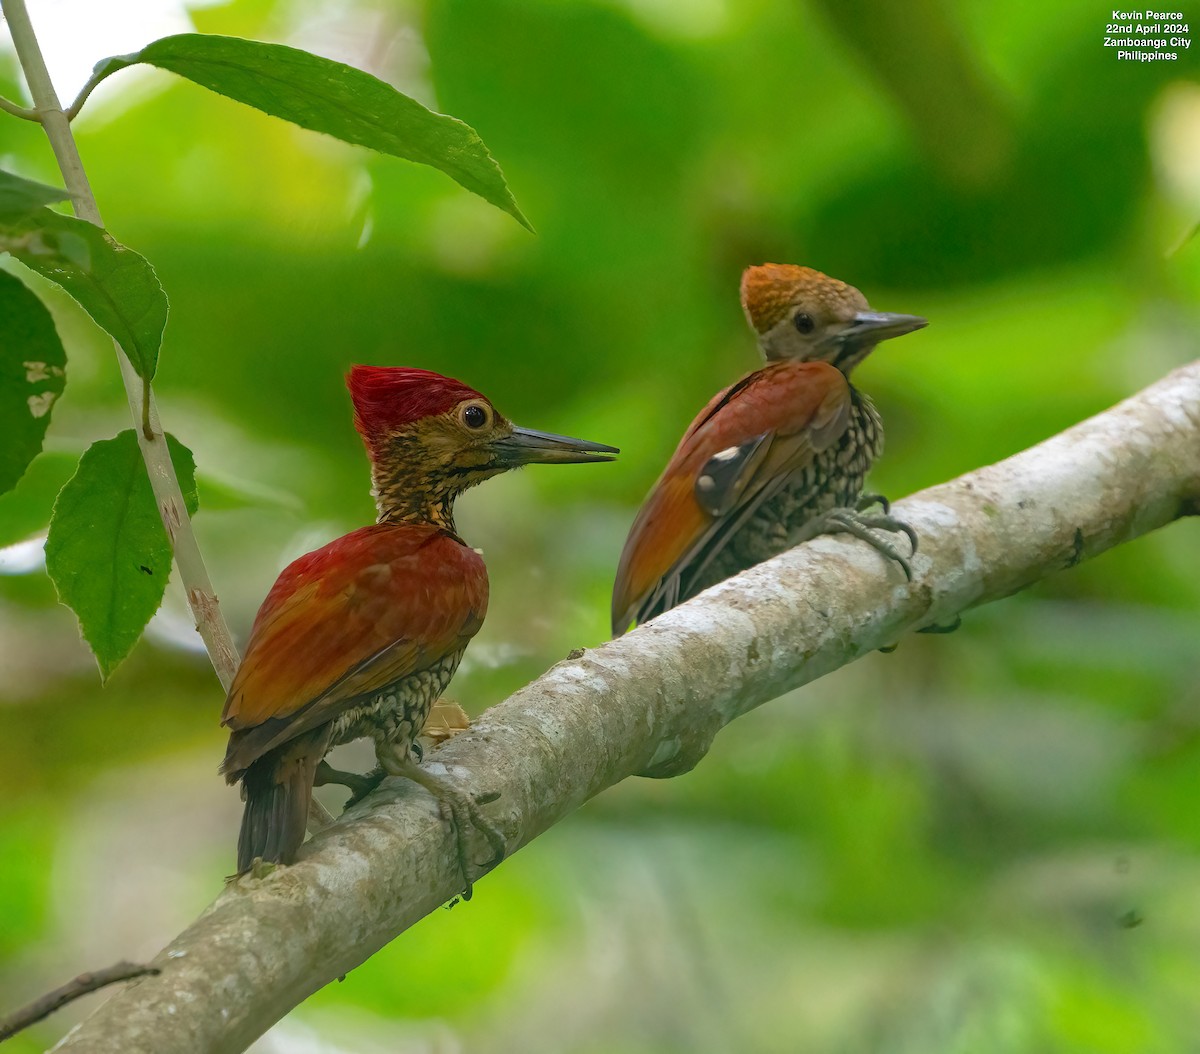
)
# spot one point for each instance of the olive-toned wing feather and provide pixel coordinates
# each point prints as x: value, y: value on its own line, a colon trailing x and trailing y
x: 742, y: 448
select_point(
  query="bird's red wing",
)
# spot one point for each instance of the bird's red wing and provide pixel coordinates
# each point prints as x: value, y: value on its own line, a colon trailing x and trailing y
x: 349, y: 619
x: 780, y: 415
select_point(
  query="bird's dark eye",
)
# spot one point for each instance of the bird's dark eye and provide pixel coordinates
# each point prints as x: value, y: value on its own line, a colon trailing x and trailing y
x: 474, y: 416
x: 804, y: 323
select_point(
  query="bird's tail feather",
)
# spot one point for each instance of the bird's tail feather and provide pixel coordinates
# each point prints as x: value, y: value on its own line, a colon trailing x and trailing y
x: 277, y: 788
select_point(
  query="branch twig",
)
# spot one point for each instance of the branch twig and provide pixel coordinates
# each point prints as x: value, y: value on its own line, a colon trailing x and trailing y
x: 72, y: 111
x: 651, y: 703
x: 45, y: 1005
x: 17, y: 110
x: 198, y: 587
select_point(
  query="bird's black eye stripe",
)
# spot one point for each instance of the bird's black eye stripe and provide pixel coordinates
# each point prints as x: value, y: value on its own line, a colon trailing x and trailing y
x: 474, y: 416
x: 803, y: 322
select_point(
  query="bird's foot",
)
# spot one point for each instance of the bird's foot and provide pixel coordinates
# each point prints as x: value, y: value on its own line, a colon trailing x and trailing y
x: 949, y: 627
x: 868, y: 501
x: 458, y: 808
x: 863, y: 525
x: 360, y: 785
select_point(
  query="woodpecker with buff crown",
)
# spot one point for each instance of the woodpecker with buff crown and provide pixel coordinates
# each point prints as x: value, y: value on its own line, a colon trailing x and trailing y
x: 773, y: 460
x: 360, y: 638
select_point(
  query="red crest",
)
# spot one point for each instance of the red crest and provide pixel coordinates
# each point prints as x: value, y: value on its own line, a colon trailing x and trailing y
x: 389, y: 397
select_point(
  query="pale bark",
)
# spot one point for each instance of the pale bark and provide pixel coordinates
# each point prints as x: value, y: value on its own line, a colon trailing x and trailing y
x: 651, y: 703
x: 152, y: 440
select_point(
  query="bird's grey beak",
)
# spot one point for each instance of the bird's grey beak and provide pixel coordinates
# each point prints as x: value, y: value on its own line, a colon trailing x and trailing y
x: 527, y: 447
x: 874, y: 326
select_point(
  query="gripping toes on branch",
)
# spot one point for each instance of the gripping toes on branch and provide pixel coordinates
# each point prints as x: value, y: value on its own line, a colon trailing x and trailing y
x: 863, y: 524
x: 461, y: 811
x: 359, y: 785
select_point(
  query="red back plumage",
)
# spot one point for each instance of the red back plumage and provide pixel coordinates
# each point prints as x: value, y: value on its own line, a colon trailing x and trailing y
x: 389, y: 397
x: 361, y: 612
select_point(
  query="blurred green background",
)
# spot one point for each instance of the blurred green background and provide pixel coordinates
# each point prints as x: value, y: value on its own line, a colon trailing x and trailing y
x: 987, y: 842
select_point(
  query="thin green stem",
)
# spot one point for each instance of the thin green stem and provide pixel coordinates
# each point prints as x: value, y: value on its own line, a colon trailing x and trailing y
x: 17, y: 110
x: 82, y: 97
x: 197, y: 586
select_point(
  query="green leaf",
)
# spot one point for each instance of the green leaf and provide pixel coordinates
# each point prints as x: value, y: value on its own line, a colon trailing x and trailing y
x: 107, y: 551
x: 26, y: 508
x: 33, y: 370
x: 19, y: 196
x: 112, y: 283
x: 329, y: 97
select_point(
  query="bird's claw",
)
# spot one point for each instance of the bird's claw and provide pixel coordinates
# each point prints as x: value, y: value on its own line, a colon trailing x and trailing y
x: 457, y: 807
x: 855, y: 522
x: 885, y: 521
x: 360, y: 785
x: 366, y: 783
x: 949, y: 627
x: 865, y: 501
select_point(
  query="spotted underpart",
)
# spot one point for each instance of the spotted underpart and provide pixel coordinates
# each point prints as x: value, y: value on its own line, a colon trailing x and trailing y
x: 398, y: 712
x: 833, y: 479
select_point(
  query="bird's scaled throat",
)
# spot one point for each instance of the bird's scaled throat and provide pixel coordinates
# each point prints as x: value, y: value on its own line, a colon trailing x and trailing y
x: 416, y: 474
x: 402, y: 497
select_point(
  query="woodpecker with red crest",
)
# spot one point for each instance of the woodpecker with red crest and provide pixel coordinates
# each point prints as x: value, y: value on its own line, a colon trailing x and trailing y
x: 773, y: 460
x: 360, y: 638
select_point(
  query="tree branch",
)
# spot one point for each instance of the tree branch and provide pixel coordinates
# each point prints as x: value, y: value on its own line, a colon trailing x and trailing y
x: 17, y: 110
x: 93, y: 82
x: 201, y: 596
x: 45, y: 1005
x: 651, y: 702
